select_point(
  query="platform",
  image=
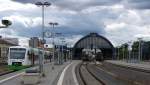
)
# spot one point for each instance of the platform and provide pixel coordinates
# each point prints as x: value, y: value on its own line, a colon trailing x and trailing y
x: 141, y: 66
x: 51, y: 75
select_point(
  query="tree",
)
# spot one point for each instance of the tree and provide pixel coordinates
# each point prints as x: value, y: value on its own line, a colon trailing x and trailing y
x: 123, y: 51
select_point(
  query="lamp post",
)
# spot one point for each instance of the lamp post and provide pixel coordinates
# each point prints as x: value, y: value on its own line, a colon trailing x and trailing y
x: 43, y: 5
x: 129, y: 49
x: 6, y: 23
x: 59, y: 47
x: 118, y: 52
x: 140, y: 54
x: 70, y: 57
x: 63, y: 41
x: 62, y: 50
x: 53, y: 24
x: 123, y: 49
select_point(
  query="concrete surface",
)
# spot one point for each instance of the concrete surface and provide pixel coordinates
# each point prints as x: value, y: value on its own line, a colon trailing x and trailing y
x: 68, y: 76
x: 142, y: 65
x: 51, y: 76
x: 129, y: 71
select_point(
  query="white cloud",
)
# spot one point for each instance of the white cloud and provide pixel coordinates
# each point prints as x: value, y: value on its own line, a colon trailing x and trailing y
x: 142, y: 36
x: 107, y: 17
x: 117, y: 6
x: 23, y: 41
x: 115, y: 26
x: 26, y: 21
x: 6, y: 5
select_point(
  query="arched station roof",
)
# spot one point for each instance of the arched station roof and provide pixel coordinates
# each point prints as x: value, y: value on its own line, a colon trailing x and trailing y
x: 92, y: 41
x: 95, y: 40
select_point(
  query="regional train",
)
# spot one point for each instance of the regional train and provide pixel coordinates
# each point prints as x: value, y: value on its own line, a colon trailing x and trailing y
x: 92, y: 55
x: 25, y: 56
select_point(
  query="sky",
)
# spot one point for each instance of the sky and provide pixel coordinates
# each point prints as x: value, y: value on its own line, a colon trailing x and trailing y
x: 119, y: 21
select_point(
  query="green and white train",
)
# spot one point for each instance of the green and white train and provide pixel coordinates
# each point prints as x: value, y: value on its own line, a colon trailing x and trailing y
x: 19, y: 55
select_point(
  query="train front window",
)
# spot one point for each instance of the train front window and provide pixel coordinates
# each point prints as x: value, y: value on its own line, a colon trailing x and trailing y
x: 17, y: 53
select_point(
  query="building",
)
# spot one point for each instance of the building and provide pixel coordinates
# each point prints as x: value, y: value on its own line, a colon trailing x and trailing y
x: 35, y: 42
x: 94, y: 41
x: 4, y: 46
x: 12, y: 40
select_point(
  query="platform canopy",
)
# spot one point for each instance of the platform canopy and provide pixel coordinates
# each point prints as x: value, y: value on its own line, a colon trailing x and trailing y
x: 94, y: 41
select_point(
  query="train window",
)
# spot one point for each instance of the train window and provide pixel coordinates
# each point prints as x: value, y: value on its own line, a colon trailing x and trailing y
x: 17, y: 53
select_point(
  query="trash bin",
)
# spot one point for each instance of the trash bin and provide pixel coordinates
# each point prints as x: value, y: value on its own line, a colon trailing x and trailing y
x: 31, y: 76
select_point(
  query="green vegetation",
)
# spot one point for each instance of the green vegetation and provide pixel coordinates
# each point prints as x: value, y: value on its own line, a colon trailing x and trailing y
x: 16, y: 67
x: 145, y: 48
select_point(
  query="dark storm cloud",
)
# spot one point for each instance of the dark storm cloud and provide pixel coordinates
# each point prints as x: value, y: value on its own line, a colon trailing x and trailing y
x: 83, y: 4
x: 138, y: 4
x: 75, y: 5
x: 26, y: 1
x: 78, y: 29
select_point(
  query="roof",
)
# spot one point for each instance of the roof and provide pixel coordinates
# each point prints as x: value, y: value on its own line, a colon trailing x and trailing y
x: 2, y: 41
x: 106, y: 42
x: 18, y: 47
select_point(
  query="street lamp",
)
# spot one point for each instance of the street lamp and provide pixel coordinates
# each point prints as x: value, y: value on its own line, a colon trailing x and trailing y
x: 53, y: 24
x: 43, y: 5
x: 6, y: 23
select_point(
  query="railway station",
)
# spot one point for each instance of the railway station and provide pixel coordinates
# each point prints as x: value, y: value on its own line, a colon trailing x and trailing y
x: 94, y: 41
x: 92, y: 63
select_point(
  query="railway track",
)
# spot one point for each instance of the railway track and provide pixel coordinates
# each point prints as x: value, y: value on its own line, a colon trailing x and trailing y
x: 86, y: 77
x: 91, y: 74
x: 106, y: 76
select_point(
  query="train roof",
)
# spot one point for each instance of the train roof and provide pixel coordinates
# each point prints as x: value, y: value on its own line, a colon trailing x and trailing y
x: 18, y: 47
x: 30, y: 48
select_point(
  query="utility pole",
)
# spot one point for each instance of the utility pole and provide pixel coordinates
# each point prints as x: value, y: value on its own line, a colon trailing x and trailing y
x: 129, y: 49
x: 62, y: 49
x: 63, y: 56
x: 53, y: 24
x: 70, y: 52
x: 118, y: 53
x: 123, y: 52
x: 43, y: 5
x: 139, y: 56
